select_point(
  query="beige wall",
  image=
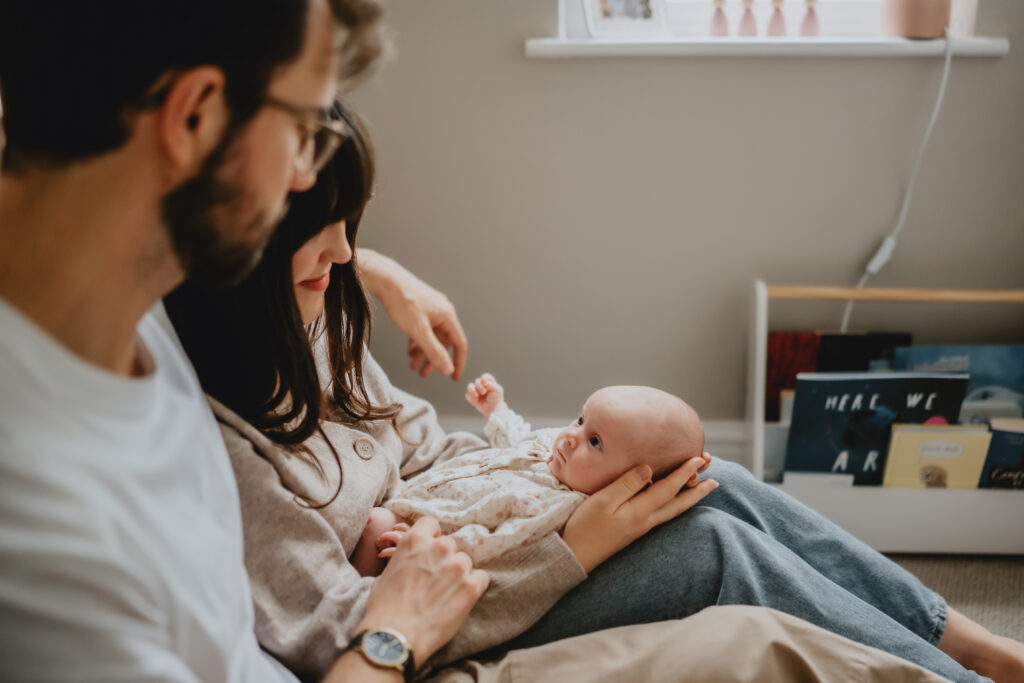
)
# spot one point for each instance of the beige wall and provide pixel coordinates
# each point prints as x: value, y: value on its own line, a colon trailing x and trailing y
x: 600, y: 221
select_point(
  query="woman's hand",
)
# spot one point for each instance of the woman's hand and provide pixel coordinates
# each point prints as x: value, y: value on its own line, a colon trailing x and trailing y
x: 426, y: 591
x: 420, y: 311
x: 624, y: 511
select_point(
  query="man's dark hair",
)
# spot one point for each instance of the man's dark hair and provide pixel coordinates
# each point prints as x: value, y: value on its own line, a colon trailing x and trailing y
x: 73, y: 72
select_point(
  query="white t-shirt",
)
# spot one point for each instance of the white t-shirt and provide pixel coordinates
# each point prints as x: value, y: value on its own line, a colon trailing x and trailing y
x: 120, y: 530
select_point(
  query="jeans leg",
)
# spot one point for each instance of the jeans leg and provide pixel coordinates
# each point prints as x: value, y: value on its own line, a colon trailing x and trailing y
x: 707, y: 557
x: 829, y: 549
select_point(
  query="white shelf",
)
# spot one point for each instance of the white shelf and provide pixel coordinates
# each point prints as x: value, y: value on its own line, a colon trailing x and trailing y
x: 923, y: 520
x: 889, y: 519
x: 556, y: 48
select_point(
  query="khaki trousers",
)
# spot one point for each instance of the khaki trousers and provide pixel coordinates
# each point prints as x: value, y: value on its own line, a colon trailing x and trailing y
x: 728, y: 643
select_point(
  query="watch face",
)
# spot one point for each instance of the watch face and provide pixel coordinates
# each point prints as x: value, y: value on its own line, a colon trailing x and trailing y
x: 384, y: 648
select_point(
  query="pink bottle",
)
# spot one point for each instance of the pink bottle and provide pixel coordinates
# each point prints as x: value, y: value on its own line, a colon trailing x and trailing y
x: 777, y: 24
x: 809, y: 26
x: 748, y: 25
x: 719, y: 24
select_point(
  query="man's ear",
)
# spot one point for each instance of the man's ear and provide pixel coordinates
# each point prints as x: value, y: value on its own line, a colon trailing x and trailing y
x: 193, y: 117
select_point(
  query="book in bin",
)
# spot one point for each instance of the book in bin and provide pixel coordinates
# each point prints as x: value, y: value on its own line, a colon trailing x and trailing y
x: 842, y: 420
x: 793, y: 352
x: 1004, y: 466
x: 996, y: 386
x: 936, y: 456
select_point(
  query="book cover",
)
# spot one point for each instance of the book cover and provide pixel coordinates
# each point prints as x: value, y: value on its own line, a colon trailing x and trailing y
x: 842, y: 421
x: 855, y: 352
x: 789, y: 354
x: 936, y: 456
x: 1004, y: 466
x: 996, y: 385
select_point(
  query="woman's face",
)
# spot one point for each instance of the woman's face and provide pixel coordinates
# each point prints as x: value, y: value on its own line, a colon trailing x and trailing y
x: 311, y: 268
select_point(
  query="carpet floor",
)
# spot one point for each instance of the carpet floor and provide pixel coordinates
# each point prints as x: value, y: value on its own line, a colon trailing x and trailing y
x: 987, y: 589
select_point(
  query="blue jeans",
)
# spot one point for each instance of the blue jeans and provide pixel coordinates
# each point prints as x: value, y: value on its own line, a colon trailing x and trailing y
x: 748, y: 543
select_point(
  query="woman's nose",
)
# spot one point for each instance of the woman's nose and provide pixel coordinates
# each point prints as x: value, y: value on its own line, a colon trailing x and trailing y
x: 338, y: 249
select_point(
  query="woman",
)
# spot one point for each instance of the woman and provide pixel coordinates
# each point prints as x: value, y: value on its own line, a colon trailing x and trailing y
x: 310, y: 464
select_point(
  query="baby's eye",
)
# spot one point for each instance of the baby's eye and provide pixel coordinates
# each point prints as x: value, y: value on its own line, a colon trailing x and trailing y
x: 579, y: 420
x: 595, y: 442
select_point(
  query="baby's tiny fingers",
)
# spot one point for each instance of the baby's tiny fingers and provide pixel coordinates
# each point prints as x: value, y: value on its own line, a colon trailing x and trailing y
x: 386, y: 553
x: 389, y: 539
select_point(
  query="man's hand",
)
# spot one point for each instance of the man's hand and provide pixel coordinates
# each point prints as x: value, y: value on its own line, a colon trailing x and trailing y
x: 420, y: 311
x: 426, y: 591
x: 486, y: 395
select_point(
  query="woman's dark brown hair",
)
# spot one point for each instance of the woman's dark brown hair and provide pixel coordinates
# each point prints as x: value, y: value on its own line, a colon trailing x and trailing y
x: 248, y: 343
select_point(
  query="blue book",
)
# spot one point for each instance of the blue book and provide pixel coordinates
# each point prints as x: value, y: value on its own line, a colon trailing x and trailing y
x: 996, y: 385
x: 842, y: 420
x: 1004, y: 465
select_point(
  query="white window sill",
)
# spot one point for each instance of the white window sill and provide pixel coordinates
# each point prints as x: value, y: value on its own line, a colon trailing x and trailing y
x: 553, y: 48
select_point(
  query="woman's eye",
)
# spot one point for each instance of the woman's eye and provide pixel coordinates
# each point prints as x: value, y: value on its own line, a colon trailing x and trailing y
x: 595, y: 442
x: 579, y: 420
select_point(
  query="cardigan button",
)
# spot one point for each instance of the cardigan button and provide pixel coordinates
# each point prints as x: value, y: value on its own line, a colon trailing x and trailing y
x: 363, y: 448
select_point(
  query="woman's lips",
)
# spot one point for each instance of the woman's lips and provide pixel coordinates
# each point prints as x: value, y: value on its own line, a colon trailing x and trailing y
x: 317, y: 284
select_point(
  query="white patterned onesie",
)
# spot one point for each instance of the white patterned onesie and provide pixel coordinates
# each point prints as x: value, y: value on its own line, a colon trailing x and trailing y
x: 493, y: 499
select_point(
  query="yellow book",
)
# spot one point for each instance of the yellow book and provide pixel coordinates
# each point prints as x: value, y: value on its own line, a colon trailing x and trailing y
x: 936, y: 456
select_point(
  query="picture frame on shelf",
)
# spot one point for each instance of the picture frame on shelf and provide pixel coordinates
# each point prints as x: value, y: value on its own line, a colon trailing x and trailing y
x: 625, y: 18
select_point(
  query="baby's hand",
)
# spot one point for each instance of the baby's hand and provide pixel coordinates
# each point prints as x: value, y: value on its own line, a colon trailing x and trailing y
x: 485, y: 394
x: 389, y: 539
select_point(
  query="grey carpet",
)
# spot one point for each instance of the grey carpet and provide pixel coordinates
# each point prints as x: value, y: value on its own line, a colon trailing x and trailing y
x: 987, y: 589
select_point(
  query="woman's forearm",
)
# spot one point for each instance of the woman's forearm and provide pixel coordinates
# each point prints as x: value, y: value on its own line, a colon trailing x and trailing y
x: 376, y: 271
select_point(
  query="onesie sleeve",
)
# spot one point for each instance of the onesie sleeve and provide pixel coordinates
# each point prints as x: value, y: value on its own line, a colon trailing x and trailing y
x: 506, y: 428
x: 308, y: 599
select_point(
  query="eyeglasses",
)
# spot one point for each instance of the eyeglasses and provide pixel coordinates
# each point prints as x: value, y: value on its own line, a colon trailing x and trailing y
x: 320, y: 136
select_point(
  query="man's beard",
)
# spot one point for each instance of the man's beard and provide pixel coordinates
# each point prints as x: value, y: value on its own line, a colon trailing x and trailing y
x: 196, y: 213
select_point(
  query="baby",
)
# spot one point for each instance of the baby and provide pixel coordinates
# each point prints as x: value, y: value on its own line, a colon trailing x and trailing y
x: 528, y: 484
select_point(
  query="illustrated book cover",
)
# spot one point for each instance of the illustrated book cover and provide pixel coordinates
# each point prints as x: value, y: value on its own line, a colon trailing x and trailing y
x: 936, y: 456
x: 842, y: 421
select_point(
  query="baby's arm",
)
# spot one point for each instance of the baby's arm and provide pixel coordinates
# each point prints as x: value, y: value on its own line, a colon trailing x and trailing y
x: 486, y: 395
x: 368, y: 557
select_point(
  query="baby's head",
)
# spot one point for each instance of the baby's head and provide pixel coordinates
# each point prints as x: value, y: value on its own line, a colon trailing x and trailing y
x: 621, y: 427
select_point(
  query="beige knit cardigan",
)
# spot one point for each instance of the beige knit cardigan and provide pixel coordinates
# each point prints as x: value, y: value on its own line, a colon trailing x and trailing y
x: 308, y: 598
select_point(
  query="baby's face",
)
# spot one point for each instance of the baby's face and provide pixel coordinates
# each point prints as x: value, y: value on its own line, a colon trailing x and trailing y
x: 619, y: 428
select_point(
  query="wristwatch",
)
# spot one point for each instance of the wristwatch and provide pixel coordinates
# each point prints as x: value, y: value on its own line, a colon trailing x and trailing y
x: 386, y: 648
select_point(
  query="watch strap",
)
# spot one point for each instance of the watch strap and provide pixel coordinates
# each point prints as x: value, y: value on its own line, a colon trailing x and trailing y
x: 408, y: 665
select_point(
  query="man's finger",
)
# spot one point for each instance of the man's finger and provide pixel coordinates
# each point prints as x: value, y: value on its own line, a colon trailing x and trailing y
x: 683, y: 502
x: 426, y: 525
x: 479, y: 579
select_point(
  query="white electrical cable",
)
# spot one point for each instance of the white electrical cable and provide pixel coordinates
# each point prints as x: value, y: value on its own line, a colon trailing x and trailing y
x: 888, y: 245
